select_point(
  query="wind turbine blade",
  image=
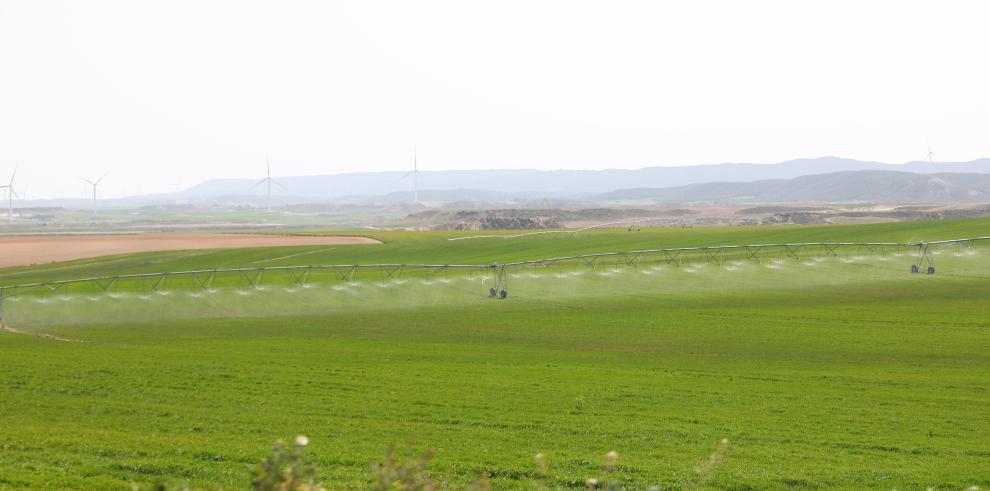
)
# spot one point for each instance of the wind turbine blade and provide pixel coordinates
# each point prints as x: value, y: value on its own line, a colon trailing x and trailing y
x: 258, y: 183
x: 91, y: 183
x: 12, y: 175
x: 101, y: 178
x: 15, y: 193
x: 403, y: 178
x: 279, y: 184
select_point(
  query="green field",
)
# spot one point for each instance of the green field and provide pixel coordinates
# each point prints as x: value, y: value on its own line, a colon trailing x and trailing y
x: 843, y: 372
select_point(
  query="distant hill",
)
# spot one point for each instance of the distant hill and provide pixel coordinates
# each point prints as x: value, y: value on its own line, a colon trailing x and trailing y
x: 558, y: 183
x: 849, y: 186
x: 523, y: 187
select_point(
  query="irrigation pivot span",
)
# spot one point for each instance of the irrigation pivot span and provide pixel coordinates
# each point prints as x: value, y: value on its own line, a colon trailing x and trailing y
x: 494, y: 272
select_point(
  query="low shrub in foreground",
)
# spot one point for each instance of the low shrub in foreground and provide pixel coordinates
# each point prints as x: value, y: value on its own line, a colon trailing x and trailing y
x: 288, y: 469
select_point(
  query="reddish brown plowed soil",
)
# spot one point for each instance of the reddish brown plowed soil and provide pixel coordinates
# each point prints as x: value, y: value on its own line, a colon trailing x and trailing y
x: 37, y: 249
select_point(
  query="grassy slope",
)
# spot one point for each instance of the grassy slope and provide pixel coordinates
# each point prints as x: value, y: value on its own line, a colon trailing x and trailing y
x: 876, y: 384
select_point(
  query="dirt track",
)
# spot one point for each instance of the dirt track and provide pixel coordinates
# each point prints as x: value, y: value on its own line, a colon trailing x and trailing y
x: 38, y: 249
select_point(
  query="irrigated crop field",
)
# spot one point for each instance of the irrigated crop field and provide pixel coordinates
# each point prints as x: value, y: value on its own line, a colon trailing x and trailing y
x: 822, y: 372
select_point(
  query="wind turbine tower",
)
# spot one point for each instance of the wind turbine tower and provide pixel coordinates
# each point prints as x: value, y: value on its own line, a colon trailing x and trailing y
x: 10, y: 196
x: 94, y: 184
x: 268, y: 181
x: 415, y: 175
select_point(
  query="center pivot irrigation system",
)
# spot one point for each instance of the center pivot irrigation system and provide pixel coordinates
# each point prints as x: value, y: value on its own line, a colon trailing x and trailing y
x: 495, y: 275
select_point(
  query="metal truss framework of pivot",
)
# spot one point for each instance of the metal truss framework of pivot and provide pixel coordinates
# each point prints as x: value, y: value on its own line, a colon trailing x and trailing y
x: 499, y: 288
x: 925, y: 257
x: 497, y: 273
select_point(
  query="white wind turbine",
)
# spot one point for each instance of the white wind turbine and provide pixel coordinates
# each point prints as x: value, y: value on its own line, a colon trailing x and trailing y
x: 94, y: 184
x: 11, y: 193
x: 415, y: 175
x: 931, y: 154
x: 269, y: 181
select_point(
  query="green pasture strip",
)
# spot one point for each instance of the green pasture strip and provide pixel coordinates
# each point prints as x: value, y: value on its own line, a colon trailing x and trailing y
x: 279, y: 293
x: 432, y: 247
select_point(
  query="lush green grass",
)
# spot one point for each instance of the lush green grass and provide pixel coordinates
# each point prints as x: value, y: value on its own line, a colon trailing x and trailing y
x: 432, y: 247
x: 841, y: 375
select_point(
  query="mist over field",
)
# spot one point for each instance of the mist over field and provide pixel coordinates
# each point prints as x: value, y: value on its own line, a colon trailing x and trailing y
x: 277, y: 295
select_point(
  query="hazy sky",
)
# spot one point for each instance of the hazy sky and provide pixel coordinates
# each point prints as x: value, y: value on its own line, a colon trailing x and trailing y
x: 166, y: 92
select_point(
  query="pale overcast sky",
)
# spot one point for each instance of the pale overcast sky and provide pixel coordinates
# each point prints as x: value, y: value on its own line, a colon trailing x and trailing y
x: 166, y: 92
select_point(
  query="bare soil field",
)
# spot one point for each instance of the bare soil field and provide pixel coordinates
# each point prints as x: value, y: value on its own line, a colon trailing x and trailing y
x: 38, y: 249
